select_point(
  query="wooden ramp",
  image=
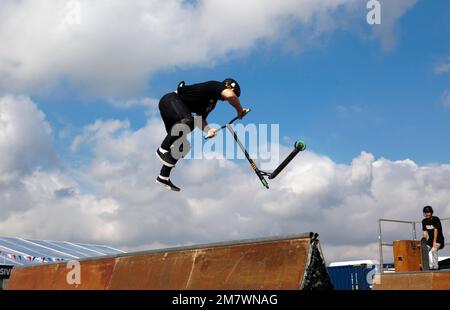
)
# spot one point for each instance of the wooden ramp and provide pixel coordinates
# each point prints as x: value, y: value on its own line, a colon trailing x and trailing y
x: 426, y: 280
x: 292, y: 262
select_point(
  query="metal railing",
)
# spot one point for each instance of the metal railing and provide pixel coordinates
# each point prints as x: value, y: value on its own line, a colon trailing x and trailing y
x: 382, y: 244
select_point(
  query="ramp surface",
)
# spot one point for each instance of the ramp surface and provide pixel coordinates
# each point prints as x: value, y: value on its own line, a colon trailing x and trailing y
x: 427, y: 280
x: 293, y: 262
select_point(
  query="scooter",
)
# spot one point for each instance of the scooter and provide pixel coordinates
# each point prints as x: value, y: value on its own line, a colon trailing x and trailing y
x: 299, y: 146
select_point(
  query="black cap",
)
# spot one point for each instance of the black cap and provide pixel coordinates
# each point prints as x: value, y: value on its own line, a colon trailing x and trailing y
x: 234, y: 86
x: 427, y: 209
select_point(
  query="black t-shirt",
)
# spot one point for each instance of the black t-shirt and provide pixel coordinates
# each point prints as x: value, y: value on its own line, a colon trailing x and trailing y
x: 201, y: 98
x: 430, y: 225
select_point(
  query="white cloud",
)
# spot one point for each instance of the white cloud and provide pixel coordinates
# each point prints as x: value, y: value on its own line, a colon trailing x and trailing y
x: 25, y: 137
x: 145, y: 102
x: 349, y: 252
x: 445, y: 98
x: 118, y: 44
x: 391, y: 11
x: 443, y: 67
x: 36, y: 195
x: 44, y: 214
x: 113, y: 199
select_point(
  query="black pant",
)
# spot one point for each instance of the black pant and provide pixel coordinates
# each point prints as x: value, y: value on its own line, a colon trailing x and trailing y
x: 174, y: 111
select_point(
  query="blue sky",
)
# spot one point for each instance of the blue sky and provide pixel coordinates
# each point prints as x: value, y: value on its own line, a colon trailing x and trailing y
x: 343, y: 96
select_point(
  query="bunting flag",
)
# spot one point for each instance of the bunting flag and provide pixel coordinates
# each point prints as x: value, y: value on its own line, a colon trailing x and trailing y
x: 31, y: 258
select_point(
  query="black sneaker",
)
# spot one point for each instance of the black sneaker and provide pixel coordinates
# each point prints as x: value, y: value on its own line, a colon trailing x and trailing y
x: 167, y: 183
x: 166, y: 158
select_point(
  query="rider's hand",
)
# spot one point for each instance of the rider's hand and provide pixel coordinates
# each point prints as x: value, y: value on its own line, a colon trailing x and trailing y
x: 211, y: 133
x: 242, y: 113
x: 435, y: 245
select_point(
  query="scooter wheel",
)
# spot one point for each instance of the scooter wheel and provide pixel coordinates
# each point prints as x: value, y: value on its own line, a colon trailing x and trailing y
x: 300, y: 145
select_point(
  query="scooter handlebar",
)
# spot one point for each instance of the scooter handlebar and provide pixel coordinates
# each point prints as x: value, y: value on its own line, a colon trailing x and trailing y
x: 246, y: 111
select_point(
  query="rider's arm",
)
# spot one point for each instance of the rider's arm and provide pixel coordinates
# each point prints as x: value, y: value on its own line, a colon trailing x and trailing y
x: 230, y: 96
x: 205, y: 126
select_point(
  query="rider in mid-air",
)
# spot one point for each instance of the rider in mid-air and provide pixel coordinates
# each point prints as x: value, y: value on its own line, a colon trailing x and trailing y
x: 178, y: 108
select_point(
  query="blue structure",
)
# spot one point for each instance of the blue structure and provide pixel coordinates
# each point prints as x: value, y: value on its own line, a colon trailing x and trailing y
x: 21, y: 252
x: 356, y: 275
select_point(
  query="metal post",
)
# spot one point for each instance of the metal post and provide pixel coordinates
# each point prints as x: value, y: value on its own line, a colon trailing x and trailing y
x: 380, y: 244
x: 414, y: 231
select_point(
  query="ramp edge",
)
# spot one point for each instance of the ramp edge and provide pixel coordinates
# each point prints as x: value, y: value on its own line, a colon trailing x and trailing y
x: 309, y: 235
